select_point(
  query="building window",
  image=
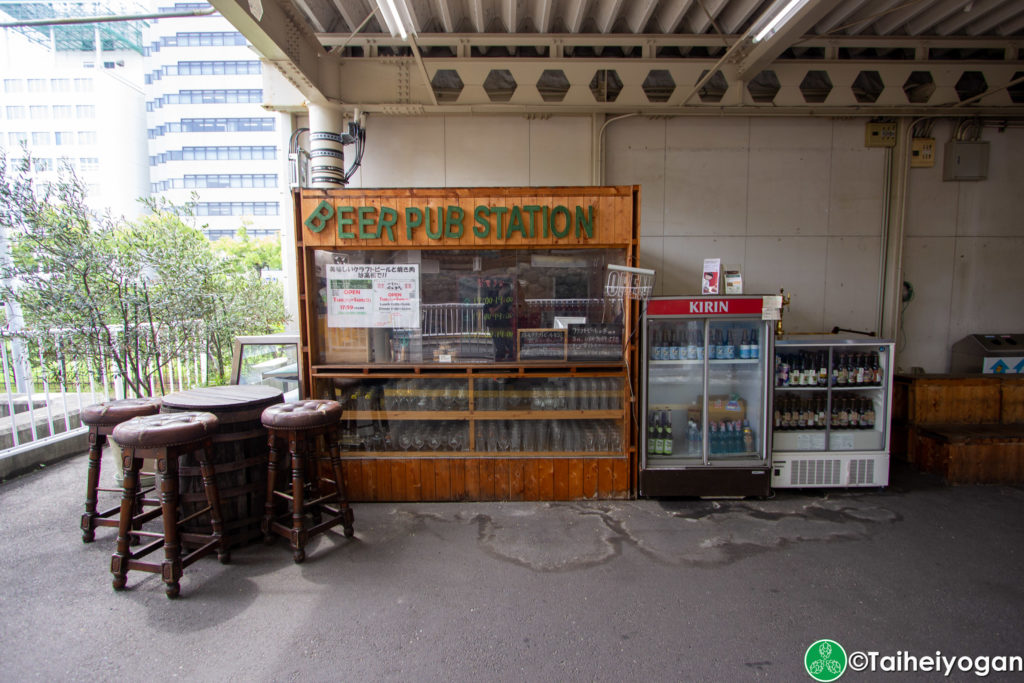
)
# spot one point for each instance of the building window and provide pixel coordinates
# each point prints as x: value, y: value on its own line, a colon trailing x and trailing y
x: 62, y: 111
x: 214, y: 68
x: 236, y: 209
x: 89, y: 163
x: 38, y: 111
x: 250, y: 96
x: 17, y: 138
x: 14, y: 85
x: 85, y: 111
x: 40, y: 164
x: 83, y: 85
x: 203, y: 39
x: 37, y: 85
x: 60, y: 84
x: 220, y: 153
x: 15, y: 111
x: 64, y: 137
x: 232, y: 180
x: 42, y: 138
x: 86, y: 137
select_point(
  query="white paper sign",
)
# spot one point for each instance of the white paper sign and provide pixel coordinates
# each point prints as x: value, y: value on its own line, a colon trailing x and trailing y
x: 373, y: 295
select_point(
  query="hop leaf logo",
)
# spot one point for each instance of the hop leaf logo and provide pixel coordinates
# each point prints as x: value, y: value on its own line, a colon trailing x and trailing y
x: 825, y: 660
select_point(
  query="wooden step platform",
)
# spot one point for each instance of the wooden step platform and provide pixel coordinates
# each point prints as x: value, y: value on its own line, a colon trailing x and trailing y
x: 971, y: 454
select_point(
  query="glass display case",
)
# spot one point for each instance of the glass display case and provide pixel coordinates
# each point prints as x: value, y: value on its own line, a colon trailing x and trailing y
x: 705, y: 397
x: 471, y: 339
x: 412, y: 307
x: 831, y: 408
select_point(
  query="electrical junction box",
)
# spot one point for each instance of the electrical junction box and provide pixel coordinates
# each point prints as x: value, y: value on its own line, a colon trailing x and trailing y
x: 965, y: 160
x: 922, y: 152
x: 880, y: 134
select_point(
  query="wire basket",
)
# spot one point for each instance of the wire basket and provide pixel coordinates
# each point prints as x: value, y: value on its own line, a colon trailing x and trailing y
x: 623, y: 282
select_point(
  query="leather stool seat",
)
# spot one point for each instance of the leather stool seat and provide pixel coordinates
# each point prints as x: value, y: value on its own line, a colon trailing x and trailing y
x: 114, y: 413
x: 302, y: 415
x: 165, y: 429
x: 101, y: 419
x: 165, y: 437
x: 309, y: 431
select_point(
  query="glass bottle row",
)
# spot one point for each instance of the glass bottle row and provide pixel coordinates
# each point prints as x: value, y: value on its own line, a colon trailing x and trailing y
x: 812, y: 368
x: 688, y: 343
x: 799, y: 413
x: 577, y: 393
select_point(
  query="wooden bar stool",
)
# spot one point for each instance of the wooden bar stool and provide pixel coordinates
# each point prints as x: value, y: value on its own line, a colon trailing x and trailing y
x: 101, y: 419
x: 165, y: 437
x: 310, y: 429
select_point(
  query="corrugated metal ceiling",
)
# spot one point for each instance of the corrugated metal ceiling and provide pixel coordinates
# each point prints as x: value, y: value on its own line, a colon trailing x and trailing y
x: 917, y: 18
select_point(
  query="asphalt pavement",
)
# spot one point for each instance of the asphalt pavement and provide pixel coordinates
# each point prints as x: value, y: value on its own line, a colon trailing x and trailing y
x: 647, y: 590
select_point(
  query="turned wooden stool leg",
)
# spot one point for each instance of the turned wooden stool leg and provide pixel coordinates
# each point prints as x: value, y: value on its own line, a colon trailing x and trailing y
x: 207, y: 469
x: 314, y: 444
x: 170, y: 571
x: 96, y: 441
x: 339, y: 484
x: 121, y: 557
x: 298, y: 536
x: 268, y: 510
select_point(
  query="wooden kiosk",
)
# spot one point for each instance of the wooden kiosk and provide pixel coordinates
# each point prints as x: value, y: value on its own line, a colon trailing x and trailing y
x: 468, y: 335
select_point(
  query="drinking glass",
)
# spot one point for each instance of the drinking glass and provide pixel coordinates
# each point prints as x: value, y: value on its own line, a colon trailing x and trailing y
x: 434, y: 438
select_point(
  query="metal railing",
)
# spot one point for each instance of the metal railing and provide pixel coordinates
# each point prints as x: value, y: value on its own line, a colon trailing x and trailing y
x: 48, y: 381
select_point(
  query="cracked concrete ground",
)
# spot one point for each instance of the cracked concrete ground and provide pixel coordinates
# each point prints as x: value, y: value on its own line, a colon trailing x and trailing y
x: 663, y: 590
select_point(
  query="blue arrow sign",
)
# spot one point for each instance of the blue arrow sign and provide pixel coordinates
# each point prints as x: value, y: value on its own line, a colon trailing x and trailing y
x: 1019, y: 367
x: 1000, y: 367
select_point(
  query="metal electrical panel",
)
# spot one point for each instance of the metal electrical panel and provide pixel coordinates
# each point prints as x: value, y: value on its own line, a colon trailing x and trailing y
x: 880, y: 134
x: 922, y: 152
x: 965, y: 160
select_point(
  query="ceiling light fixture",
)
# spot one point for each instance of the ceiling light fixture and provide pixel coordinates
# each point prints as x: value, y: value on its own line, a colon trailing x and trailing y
x: 393, y: 18
x: 776, y: 19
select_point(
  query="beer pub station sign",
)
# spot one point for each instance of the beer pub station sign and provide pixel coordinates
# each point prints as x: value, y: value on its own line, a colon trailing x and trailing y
x: 530, y: 221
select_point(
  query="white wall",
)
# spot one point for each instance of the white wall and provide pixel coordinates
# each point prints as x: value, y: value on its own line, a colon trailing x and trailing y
x: 796, y: 203
x: 963, y: 252
x: 474, y: 151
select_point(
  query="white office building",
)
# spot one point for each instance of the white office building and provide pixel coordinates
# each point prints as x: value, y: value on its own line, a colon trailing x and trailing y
x: 73, y: 95
x: 210, y: 140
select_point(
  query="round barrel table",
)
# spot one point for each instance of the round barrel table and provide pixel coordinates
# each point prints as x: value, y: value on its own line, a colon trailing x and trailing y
x: 239, y: 457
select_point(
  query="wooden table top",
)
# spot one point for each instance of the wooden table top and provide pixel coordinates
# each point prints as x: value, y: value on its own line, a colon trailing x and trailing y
x: 224, y: 398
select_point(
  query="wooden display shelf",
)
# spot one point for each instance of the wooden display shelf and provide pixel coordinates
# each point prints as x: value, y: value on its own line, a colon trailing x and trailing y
x: 487, y: 478
x: 495, y: 221
x: 417, y: 455
x: 483, y: 415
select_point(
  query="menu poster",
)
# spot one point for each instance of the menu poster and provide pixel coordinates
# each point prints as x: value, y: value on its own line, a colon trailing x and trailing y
x: 373, y: 295
x: 595, y: 341
x: 542, y: 344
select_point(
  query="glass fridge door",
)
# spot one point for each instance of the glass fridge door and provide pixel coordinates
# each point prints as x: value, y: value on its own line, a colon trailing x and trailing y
x: 736, y: 391
x: 675, y: 379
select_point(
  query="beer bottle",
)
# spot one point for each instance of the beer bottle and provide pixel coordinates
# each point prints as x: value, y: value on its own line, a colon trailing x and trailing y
x: 868, y: 418
x: 844, y: 371
x: 876, y: 371
x: 822, y: 369
x: 652, y: 433
x: 666, y: 442
x: 854, y: 413
x: 819, y: 417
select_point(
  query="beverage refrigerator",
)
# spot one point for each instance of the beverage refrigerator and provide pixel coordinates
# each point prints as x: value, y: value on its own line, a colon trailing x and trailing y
x: 706, y: 396
x: 832, y: 408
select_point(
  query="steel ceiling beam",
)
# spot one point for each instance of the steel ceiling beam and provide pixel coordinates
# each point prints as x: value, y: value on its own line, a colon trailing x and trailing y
x: 281, y: 36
